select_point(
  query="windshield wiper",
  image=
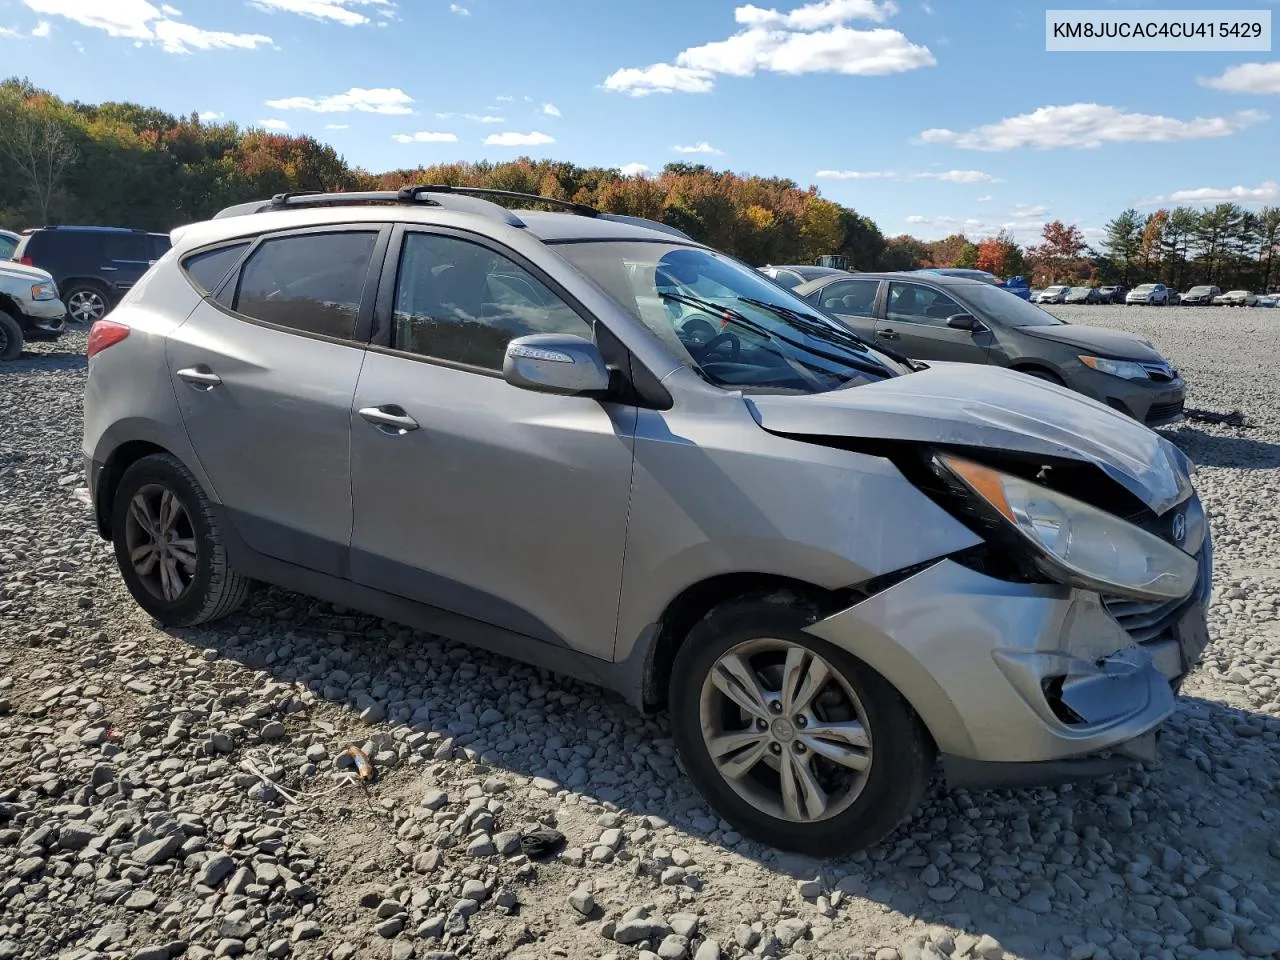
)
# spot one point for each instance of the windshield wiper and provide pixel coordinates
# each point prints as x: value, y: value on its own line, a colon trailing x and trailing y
x: 811, y: 324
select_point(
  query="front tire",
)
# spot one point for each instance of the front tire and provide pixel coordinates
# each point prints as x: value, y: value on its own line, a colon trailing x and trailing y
x: 169, y: 545
x: 792, y: 740
x: 10, y: 337
x: 86, y: 303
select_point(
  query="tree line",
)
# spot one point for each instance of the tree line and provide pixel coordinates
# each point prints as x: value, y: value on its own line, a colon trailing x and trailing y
x: 123, y: 164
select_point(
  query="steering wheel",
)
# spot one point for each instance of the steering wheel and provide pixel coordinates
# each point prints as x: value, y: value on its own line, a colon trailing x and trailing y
x: 719, y: 340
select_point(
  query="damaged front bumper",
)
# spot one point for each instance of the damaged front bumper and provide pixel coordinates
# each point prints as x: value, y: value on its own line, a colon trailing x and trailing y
x: 1025, y: 684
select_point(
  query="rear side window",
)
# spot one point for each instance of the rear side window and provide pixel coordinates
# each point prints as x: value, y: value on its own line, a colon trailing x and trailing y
x: 854, y: 298
x: 131, y: 247
x: 312, y: 283
x: 7, y: 247
x: 157, y: 245
x: 207, y: 270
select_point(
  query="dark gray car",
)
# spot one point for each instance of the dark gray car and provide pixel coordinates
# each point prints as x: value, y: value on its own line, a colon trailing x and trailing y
x: 940, y: 317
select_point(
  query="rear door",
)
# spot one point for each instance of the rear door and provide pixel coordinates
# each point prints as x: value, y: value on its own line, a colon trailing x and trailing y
x: 125, y: 258
x: 854, y: 302
x: 265, y: 370
x: 915, y: 323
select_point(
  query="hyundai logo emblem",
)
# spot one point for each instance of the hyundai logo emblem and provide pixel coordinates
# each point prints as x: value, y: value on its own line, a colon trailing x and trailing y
x: 1179, y: 527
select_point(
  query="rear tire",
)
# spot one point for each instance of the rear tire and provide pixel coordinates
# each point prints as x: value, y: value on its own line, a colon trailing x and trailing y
x: 10, y: 337
x: 846, y: 795
x: 86, y: 302
x: 169, y: 545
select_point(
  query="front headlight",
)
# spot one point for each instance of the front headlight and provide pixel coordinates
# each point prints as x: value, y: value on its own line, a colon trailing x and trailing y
x: 44, y: 291
x: 1079, y: 544
x: 1116, y: 368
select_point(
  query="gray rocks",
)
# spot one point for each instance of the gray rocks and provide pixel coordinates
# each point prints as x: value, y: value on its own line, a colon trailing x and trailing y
x: 582, y: 901
x: 157, y: 851
x: 214, y: 870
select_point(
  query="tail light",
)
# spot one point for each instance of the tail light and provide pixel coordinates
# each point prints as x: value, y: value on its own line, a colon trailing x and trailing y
x: 27, y: 262
x: 105, y: 333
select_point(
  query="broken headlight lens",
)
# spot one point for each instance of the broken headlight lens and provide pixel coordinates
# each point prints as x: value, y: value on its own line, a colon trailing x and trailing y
x: 1073, y: 542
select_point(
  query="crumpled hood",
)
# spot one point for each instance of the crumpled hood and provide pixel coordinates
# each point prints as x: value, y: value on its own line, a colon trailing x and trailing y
x: 20, y: 271
x: 1106, y: 343
x: 964, y: 405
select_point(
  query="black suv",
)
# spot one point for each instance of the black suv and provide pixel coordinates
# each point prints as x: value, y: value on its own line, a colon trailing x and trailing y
x: 92, y: 266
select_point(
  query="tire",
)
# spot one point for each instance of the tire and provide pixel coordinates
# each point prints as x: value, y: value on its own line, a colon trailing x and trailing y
x: 10, y: 337
x: 879, y: 798
x: 210, y: 587
x: 86, y: 302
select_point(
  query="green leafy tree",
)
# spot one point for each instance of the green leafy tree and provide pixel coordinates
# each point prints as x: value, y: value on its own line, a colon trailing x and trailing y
x: 1123, y: 236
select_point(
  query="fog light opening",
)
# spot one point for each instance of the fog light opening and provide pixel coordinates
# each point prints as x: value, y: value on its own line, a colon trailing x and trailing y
x: 1052, y: 688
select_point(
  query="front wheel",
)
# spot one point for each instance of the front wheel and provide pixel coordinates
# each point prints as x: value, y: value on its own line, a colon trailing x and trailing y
x: 794, y: 741
x: 169, y: 546
x: 10, y: 337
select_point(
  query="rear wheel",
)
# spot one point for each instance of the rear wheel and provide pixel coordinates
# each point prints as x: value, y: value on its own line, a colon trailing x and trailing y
x: 86, y: 303
x: 169, y: 546
x: 794, y: 741
x: 10, y: 337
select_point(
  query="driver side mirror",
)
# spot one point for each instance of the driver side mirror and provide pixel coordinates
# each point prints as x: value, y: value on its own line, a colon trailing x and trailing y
x: 558, y: 363
x: 963, y: 321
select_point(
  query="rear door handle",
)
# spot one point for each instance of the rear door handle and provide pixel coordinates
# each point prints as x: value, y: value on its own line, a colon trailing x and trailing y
x: 200, y: 376
x: 389, y: 418
x: 108, y: 269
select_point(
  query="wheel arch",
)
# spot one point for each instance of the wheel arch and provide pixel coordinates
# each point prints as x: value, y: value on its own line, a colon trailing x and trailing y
x: 121, y: 459
x: 1037, y: 366
x: 695, y: 601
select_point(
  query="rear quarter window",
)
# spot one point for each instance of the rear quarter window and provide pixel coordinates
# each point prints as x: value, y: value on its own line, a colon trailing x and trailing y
x: 207, y: 270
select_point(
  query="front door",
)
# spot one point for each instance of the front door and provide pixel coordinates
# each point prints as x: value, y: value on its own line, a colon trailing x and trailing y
x: 265, y: 376
x: 915, y: 323
x: 471, y: 495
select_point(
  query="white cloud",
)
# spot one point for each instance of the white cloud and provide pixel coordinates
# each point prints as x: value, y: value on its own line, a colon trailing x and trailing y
x: 425, y: 136
x: 42, y: 29
x: 279, y: 126
x: 534, y: 139
x: 551, y: 110
x: 702, y: 147
x: 810, y: 39
x: 460, y: 11
x: 337, y: 126
x: 1027, y: 210
x: 392, y: 101
x: 8, y: 32
x: 987, y: 198
x: 169, y: 11
x: 1088, y: 125
x: 1266, y: 192
x: 944, y: 176
x: 504, y: 99
x: 143, y: 22
x: 1247, y: 78
x: 477, y: 118
x: 209, y: 116
x: 633, y: 169
x: 338, y: 11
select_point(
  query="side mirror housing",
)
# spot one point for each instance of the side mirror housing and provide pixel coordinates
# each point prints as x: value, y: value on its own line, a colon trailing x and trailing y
x: 962, y: 321
x: 558, y: 363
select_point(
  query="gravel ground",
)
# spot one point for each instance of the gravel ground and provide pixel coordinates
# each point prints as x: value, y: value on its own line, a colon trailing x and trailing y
x: 184, y: 793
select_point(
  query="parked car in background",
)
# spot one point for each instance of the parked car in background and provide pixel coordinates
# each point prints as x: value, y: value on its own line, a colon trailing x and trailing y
x: 1112, y: 293
x: 1200, y: 296
x: 1236, y: 298
x: 1155, y: 294
x: 8, y: 243
x: 1018, y: 286
x: 934, y: 318
x: 1268, y: 300
x: 1083, y: 295
x: 1053, y: 294
x: 29, y: 307
x: 842, y: 570
x: 792, y: 275
x: 93, y: 266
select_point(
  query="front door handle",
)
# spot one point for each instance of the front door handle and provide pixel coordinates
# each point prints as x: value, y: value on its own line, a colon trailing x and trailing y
x: 200, y: 376
x: 888, y: 333
x: 109, y: 269
x: 390, y: 419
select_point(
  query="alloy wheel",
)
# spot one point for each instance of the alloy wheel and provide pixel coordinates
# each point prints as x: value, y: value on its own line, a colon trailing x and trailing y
x: 86, y: 306
x: 785, y: 730
x: 161, y: 541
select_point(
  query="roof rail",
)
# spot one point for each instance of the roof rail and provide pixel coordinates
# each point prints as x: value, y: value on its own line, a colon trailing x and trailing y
x: 468, y: 199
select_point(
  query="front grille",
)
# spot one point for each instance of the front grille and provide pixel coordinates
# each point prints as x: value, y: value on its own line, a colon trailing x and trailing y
x: 1160, y: 372
x: 1144, y: 620
x: 1163, y: 411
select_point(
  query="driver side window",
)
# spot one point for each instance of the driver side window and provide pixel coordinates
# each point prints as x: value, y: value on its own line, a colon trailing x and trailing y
x: 913, y: 303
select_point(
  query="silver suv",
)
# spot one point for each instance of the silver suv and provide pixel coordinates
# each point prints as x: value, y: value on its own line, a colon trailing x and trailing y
x: 588, y: 442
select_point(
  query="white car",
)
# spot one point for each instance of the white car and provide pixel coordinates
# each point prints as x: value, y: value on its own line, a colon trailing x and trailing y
x: 1236, y: 298
x: 1156, y: 294
x: 1269, y: 300
x: 1052, y: 295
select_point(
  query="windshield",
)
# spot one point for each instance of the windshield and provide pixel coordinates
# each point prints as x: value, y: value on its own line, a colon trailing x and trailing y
x: 726, y: 321
x: 1079, y: 289
x: 1200, y: 290
x: 1237, y: 293
x: 1145, y: 288
x: 1054, y: 289
x: 1005, y: 307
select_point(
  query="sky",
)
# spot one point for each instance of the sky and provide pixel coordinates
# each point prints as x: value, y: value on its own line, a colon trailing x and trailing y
x: 930, y: 116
